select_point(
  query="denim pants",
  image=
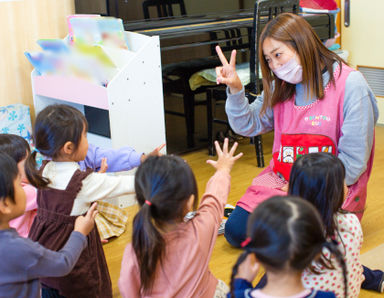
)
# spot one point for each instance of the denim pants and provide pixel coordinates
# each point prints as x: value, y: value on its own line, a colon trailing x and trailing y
x: 236, y: 226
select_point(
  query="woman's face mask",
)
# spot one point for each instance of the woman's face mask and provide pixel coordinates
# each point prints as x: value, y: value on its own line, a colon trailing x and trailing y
x: 282, y: 60
x: 290, y: 72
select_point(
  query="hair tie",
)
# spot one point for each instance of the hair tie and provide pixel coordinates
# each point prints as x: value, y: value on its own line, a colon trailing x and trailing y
x: 35, y: 150
x: 246, y: 242
x: 148, y: 203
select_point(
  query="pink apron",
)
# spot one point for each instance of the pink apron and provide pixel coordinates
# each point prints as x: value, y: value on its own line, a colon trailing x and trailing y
x: 306, y: 129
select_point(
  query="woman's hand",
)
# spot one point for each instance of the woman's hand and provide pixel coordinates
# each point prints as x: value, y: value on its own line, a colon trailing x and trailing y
x: 225, y: 160
x: 227, y: 74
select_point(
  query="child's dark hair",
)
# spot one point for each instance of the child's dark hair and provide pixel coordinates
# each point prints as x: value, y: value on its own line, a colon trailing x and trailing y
x: 163, y: 186
x: 15, y: 146
x: 8, y: 174
x: 54, y: 126
x: 319, y: 179
x: 287, y: 233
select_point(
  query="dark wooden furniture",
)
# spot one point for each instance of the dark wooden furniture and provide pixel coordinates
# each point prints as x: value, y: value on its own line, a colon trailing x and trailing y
x: 183, y: 33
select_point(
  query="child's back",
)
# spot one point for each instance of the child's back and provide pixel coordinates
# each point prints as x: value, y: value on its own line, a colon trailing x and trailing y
x: 184, y: 270
x: 52, y: 227
x: 349, y: 239
x: 319, y: 179
x: 169, y: 257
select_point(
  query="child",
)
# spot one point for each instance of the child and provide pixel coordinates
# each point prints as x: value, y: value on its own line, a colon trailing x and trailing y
x: 65, y: 191
x: 18, y: 148
x: 23, y: 261
x: 122, y: 159
x: 169, y: 257
x: 320, y: 179
x: 285, y: 235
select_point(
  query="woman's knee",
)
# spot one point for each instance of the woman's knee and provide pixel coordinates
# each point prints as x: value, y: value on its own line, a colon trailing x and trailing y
x: 236, y: 226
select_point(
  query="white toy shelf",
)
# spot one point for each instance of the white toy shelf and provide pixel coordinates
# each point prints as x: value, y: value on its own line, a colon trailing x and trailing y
x: 133, y: 98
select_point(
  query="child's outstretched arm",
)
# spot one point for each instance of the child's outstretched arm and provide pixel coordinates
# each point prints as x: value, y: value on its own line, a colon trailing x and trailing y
x: 155, y: 152
x: 122, y: 159
x: 211, y: 210
x: 48, y: 263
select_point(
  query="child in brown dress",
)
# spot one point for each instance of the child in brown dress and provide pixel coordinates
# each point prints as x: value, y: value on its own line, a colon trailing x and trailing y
x: 64, y: 192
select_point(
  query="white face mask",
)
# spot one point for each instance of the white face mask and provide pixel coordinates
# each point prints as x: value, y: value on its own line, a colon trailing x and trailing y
x: 291, y: 72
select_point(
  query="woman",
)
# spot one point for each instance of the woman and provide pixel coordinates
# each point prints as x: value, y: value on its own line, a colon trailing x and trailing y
x: 313, y: 101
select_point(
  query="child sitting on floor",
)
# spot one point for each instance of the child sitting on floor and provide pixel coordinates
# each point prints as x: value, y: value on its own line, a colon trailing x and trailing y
x: 320, y: 179
x: 285, y: 235
x: 169, y: 257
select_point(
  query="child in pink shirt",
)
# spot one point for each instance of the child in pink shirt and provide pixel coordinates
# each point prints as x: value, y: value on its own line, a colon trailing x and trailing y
x: 169, y: 257
x: 18, y: 148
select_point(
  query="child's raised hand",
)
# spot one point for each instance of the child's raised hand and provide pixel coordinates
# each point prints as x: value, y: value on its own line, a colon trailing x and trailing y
x: 248, y: 269
x: 225, y: 160
x: 227, y: 74
x: 85, y: 224
x: 155, y: 152
x: 103, y: 165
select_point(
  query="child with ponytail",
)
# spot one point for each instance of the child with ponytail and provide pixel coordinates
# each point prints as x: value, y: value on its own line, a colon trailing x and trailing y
x: 169, y: 257
x: 285, y: 236
x: 64, y: 192
x: 320, y: 179
x: 18, y: 148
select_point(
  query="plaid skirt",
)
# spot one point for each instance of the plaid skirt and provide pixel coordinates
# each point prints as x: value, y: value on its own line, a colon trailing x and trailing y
x: 111, y: 220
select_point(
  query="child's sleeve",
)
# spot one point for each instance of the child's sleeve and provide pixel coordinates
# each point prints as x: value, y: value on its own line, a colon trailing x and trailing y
x: 240, y: 286
x: 99, y: 186
x: 48, y: 263
x: 129, y: 281
x: 122, y: 159
x: 211, y: 210
x: 215, y: 196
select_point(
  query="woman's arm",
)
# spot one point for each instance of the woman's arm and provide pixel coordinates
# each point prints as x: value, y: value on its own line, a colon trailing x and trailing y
x: 245, y: 118
x: 360, y: 116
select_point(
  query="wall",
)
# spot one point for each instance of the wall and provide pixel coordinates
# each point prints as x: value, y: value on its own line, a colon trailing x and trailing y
x: 21, y: 24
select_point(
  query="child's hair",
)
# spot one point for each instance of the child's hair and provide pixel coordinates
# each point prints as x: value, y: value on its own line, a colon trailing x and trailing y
x: 163, y: 186
x: 319, y: 179
x: 54, y: 126
x: 15, y: 146
x: 287, y: 233
x: 8, y: 174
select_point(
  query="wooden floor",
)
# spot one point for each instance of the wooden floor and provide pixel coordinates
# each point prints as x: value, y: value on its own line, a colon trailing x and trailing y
x: 244, y: 171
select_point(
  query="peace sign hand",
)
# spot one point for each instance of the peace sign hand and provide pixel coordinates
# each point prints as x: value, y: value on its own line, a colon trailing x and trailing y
x: 227, y: 74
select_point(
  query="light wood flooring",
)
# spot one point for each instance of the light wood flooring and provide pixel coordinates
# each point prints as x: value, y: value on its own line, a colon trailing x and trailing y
x: 244, y: 171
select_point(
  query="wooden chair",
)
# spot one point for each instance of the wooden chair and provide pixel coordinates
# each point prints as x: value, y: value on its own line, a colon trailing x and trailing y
x: 176, y: 75
x: 264, y: 10
x: 164, y: 7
